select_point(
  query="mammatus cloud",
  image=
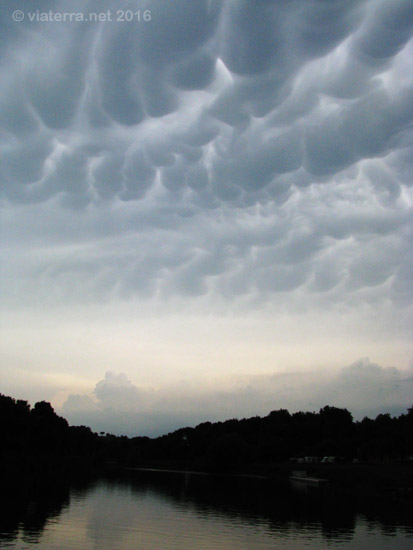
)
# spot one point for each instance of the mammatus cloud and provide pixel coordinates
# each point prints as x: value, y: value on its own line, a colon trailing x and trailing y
x: 225, y: 149
x: 118, y: 406
x: 243, y: 161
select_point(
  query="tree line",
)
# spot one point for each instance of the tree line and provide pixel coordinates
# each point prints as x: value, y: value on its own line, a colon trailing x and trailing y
x: 36, y: 437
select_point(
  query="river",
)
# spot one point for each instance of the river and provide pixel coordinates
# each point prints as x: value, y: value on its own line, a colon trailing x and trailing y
x: 155, y: 510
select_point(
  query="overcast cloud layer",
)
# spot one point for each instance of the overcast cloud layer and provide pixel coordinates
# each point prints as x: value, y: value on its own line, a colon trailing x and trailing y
x: 226, y: 157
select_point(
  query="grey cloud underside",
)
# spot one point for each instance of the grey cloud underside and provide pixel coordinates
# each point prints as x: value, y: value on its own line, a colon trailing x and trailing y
x: 119, y: 406
x: 235, y: 148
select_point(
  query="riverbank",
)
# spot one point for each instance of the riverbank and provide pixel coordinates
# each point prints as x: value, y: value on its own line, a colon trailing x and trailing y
x: 367, y: 480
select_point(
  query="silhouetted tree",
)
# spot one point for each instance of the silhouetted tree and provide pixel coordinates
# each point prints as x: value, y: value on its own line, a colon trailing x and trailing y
x: 27, y: 433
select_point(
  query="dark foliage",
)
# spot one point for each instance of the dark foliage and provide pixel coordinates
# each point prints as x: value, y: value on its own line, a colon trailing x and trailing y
x: 37, y: 439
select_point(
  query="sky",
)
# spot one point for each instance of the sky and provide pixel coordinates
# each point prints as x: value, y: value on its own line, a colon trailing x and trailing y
x: 206, y: 208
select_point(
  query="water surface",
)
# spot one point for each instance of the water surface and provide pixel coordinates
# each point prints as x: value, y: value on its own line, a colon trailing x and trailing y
x: 147, y: 510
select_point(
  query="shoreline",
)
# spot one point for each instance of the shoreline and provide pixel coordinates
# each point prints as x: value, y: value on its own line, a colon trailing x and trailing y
x: 368, y: 480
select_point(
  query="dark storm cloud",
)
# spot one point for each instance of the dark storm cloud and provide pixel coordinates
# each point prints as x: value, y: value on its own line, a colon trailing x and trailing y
x: 223, y: 148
